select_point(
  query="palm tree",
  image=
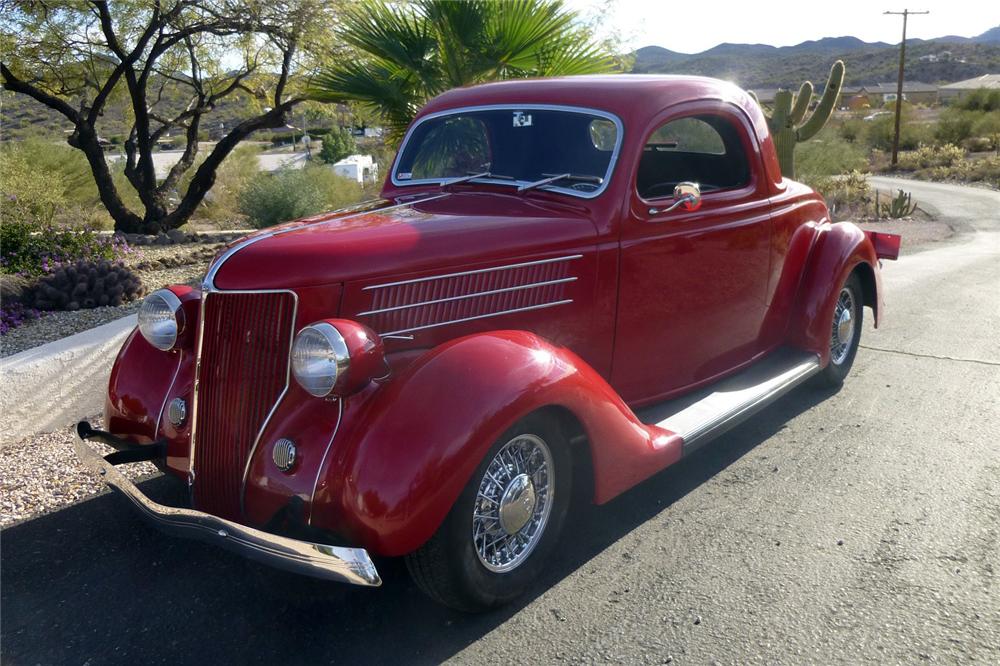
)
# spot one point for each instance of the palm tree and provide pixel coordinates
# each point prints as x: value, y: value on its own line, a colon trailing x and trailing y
x: 408, y: 53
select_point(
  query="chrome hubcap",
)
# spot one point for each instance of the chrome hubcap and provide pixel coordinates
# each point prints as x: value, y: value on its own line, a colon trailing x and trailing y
x: 843, y: 327
x: 513, y: 503
x: 517, y: 504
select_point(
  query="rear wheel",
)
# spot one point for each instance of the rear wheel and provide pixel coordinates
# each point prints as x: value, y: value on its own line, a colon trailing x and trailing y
x: 495, y: 539
x: 845, y: 332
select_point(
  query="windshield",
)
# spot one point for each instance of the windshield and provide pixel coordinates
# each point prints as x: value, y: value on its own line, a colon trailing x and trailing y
x: 572, y: 150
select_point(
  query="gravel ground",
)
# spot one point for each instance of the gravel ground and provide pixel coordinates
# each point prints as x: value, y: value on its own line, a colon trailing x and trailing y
x: 156, y: 267
x: 40, y: 474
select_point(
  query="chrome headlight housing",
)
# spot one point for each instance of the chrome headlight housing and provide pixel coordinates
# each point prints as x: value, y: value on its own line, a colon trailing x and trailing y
x: 319, y: 358
x: 161, y: 319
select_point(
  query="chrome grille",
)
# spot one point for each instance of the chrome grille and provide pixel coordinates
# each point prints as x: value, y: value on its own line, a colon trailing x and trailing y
x: 243, y: 373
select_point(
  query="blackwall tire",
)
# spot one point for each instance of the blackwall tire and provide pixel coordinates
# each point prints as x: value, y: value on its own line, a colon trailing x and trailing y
x: 457, y: 567
x: 844, y: 336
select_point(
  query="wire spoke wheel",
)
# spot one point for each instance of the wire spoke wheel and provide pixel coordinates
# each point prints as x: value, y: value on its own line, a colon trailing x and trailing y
x: 842, y: 333
x: 513, y: 503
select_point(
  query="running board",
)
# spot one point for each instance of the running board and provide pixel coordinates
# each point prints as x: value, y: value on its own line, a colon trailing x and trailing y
x: 706, y: 414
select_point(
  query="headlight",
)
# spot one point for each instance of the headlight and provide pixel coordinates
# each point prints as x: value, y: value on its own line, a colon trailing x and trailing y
x: 161, y: 319
x: 319, y: 358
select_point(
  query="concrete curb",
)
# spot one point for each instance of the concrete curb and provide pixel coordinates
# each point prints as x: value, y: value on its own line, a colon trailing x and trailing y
x: 51, y: 386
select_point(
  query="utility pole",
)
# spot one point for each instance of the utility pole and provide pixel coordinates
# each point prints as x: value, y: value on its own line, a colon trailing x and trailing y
x: 899, y: 83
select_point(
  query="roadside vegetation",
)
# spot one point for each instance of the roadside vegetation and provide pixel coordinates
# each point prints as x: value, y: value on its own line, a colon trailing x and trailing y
x: 957, y: 143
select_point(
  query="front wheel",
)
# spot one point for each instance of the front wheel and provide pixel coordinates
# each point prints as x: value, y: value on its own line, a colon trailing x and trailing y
x: 845, y: 332
x: 495, y: 539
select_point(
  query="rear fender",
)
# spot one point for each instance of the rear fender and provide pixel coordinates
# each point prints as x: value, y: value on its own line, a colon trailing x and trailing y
x: 839, y: 250
x: 403, y: 456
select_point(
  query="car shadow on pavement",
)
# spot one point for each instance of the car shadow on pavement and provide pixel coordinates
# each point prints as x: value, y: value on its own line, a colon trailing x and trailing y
x: 94, y: 583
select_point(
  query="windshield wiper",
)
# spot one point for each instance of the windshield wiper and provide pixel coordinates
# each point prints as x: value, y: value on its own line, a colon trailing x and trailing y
x: 556, y: 177
x: 474, y: 176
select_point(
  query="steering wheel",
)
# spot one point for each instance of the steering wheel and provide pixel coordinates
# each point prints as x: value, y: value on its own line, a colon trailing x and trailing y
x: 659, y: 190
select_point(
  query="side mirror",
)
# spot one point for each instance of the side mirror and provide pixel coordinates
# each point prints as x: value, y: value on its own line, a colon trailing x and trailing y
x: 686, y: 194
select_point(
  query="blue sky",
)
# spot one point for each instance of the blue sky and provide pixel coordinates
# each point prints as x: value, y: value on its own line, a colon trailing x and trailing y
x: 695, y: 26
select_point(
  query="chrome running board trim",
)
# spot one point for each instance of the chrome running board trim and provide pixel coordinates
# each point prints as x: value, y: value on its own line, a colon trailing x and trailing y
x: 731, y: 401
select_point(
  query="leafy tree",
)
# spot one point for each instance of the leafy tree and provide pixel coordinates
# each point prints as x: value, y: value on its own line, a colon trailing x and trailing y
x: 76, y: 57
x: 337, y: 145
x: 408, y: 53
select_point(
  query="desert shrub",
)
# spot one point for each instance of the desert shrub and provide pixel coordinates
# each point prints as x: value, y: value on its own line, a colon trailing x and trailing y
x: 851, y: 191
x: 828, y: 155
x: 27, y: 196
x: 289, y: 194
x: 33, y: 248
x: 931, y: 156
x: 987, y: 127
x: 955, y: 125
x: 985, y: 170
x: 221, y: 205
x: 880, y: 131
x: 84, y: 285
x: 46, y: 182
x: 337, y: 146
x: 852, y: 130
x: 980, y: 100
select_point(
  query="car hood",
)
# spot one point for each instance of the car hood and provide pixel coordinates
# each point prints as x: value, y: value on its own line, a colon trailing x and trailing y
x: 387, y: 239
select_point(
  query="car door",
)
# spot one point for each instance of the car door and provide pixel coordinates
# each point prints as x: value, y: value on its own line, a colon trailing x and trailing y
x: 692, y: 282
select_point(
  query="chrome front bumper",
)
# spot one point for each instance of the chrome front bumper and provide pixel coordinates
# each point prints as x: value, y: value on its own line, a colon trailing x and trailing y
x: 347, y: 565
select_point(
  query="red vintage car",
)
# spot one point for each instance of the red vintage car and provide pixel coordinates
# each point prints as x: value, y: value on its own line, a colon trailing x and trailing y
x: 567, y: 283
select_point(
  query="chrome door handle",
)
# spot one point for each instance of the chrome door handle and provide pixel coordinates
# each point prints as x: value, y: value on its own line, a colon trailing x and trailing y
x: 689, y: 198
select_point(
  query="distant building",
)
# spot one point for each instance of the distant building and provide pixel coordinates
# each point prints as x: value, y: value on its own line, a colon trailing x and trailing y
x: 361, y: 169
x: 955, y: 91
x: 879, y: 94
x: 943, y: 56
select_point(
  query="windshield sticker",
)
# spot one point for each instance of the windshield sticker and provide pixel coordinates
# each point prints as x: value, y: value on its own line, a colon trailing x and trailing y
x: 522, y: 119
x: 405, y: 176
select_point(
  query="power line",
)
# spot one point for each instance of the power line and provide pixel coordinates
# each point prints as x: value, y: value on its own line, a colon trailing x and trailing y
x: 899, y: 83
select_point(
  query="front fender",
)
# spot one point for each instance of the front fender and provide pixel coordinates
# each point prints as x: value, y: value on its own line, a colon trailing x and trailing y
x: 403, y: 457
x: 838, y: 250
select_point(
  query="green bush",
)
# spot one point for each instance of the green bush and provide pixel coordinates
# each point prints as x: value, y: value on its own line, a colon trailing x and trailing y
x: 911, y: 134
x: 43, y: 182
x: 852, y: 130
x: 828, y: 155
x: 988, y: 127
x: 337, y: 146
x: 980, y: 100
x: 221, y: 205
x: 33, y: 248
x: 289, y: 194
x: 955, y: 125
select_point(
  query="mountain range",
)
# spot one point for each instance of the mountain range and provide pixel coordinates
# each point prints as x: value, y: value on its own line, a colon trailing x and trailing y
x: 940, y: 60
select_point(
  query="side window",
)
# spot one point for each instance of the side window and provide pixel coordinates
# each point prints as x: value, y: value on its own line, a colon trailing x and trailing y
x: 705, y: 149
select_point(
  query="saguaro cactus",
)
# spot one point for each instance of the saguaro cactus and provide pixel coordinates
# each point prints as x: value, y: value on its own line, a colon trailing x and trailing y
x: 785, y: 121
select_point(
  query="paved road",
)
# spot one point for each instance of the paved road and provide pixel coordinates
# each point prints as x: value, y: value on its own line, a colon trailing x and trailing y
x: 855, y: 527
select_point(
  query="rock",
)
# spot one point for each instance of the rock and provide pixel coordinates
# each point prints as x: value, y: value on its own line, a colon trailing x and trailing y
x: 177, y: 236
x: 161, y: 239
x: 12, y: 287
